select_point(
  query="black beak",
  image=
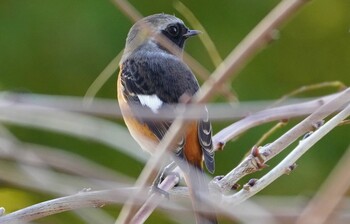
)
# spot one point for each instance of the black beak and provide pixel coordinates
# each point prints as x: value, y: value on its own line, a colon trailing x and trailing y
x: 191, y: 33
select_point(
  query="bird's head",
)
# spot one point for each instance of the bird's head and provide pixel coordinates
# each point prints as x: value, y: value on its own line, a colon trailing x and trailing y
x: 159, y: 29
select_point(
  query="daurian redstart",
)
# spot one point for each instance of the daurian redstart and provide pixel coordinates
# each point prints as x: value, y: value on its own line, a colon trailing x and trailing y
x: 153, y: 77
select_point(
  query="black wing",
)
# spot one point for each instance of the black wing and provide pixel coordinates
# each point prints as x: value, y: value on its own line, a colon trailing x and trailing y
x: 205, y: 140
x: 135, y: 80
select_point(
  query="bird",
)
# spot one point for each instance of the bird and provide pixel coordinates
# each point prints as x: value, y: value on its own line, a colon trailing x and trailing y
x: 153, y: 77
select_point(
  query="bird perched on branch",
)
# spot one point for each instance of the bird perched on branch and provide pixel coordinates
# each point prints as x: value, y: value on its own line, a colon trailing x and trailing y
x: 152, y: 77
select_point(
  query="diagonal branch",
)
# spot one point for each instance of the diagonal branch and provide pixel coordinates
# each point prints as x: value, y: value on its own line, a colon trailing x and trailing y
x: 257, y: 38
x: 249, y: 165
x: 330, y: 194
x: 269, y: 115
x: 286, y: 163
x: 249, y: 46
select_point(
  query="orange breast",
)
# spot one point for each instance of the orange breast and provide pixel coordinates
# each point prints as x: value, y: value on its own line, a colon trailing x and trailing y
x: 140, y: 132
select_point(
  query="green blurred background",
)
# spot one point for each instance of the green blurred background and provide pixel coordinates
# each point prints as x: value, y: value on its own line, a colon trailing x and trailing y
x: 59, y: 47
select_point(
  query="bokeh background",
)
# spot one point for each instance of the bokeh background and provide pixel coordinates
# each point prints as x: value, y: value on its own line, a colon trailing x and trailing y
x: 59, y: 47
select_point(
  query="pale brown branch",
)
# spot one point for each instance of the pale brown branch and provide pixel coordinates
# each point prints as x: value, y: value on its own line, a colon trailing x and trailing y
x: 256, y: 160
x: 101, y: 79
x: 78, y: 125
x: 48, y: 157
x: 284, y: 167
x: 217, y: 111
x: 268, y: 115
x: 249, y: 46
x: 303, y: 89
x: 128, y: 9
x: 84, y: 199
x: 209, y: 45
x: 154, y: 199
x: 151, y: 168
x: 204, y: 37
x: 330, y: 195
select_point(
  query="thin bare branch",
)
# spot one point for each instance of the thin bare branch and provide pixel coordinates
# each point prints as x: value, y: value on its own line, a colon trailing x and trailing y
x: 101, y: 79
x: 268, y: 115
x: 81, y: 200
x: 284, y: 166
x: 129, y: 10
x: 78, y: 125
x: 303, y: 89
x: 217, y: 111
x: 85, y: 199
x: 46, y: 162
x: 49, y: 181
x: 48, y: 157
x: 208, y: 44
x: 329, y: 196
x: 148, y: 173
x: 154, y: 199
x: 256, y: 160
x: 283, y: 208
x: 205, y: 38
x: 250, y: 45
x: 272, y: 130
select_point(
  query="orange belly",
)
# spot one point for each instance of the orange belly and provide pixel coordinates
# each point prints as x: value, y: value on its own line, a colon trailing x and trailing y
x: 140, y: 132
x: 192, y: 149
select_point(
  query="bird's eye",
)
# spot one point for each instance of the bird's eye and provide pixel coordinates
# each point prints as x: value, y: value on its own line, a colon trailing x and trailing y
x: 173, y: 30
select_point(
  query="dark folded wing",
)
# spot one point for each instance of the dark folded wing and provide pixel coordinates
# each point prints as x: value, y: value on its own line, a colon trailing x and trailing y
x: 205, y: 140
x: 142, y: 77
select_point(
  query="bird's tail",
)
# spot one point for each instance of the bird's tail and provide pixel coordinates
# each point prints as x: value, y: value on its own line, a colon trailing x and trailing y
x: 198, y: 187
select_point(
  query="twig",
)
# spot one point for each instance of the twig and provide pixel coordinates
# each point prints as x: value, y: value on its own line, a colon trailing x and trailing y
x: 250, y: 45
x: 101, y: 79
x: 23, y: 104
x: 10, y: 147
x: 80, y: 200
x: 268, y: 115
x: 147, y: 174
x: 74, y: 124
x: 49, y: 181
x: 205, y: 38
x: 285, y: 140
x: 284, y: 166
x: 48, y: 157
x: 217, y: 111
x: 302, y: 89
x: 84, y: 199
x: 336, y: 97
x: 209, y: 45
x: 251, y: 164
x: 246, y: 212
x: 128, y: 9
x: 329, y: 195
x: 153, y: 200
x: 266, y: 135
x: 345, y: 122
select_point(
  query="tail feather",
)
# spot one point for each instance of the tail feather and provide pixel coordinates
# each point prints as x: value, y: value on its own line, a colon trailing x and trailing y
x: 198, y: 187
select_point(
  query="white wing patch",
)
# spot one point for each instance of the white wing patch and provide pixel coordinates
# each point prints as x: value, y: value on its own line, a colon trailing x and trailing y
x: 151, y: 101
